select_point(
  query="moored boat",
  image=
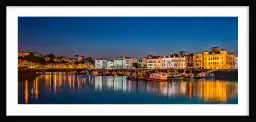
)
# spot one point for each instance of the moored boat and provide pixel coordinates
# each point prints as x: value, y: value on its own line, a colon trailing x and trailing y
x: 157, y: 77
x: 204, y: 76
x: 175, y: 77
x: 95, y: 73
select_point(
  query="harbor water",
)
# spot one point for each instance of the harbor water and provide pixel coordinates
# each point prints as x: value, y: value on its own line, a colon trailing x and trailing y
x: 64, y: 88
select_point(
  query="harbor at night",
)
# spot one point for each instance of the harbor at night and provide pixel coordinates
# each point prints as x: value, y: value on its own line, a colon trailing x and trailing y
x: 128, y: 60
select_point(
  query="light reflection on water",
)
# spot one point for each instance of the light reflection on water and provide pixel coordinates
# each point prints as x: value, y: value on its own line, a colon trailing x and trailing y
x: 61, y: 82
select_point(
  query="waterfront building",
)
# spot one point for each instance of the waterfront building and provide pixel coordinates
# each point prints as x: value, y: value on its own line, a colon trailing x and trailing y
x: 144, y: 61
x: 57, y: 59
x: 25, y: 63
x: 141, y: 65
x: 80, y: 58
x: 129, y: 61
x: 154, y: 62
x: 110, y: 64
x: 166, y: 62
x: 22, y: 54
x: 174, y: 59
x: 189, y: 59
x: 182, y: 62
x: 37, y: 54
x: 218, y: 58
x: 198, y: 60
x: 119, y: 63
x: 65, y: 59
x: 47, y: 58
x: 100, y: 63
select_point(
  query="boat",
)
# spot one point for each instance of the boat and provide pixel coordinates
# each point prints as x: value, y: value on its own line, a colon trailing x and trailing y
x: 209, y: 77
x: 156, y: 77
x: 189, y: 76
x: 95, y: 73
x: 175, y: 77
x: 197, y: 77
x: 204, y: 76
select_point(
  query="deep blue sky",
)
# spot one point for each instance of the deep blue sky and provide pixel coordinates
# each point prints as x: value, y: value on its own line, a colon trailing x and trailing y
x: 110, y: 37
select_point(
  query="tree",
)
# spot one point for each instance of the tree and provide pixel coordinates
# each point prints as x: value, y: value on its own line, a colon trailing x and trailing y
x: 90, y: 60
x: 51, y: 56
x: 136, y: 65
x: 33, y: 59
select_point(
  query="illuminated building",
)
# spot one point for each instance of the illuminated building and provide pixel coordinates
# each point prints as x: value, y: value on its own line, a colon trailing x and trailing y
x: 110, y: 64
x: 26, y: 63
x: 47, y: 58
x: 218, y: 58
x: 119, y: 63
x: 129, y: 61
x: 174, y: 60
x: 166, y: 62
x: 154, y: 62
x: 66, y: 59
x: 57, y: 59
x: 182, y: 63
x: 80, y: 58
x: 189, y: 59
x: 144, y: 61
x: 22, y: 54
x: 100, y: 63
x: 198, y: 60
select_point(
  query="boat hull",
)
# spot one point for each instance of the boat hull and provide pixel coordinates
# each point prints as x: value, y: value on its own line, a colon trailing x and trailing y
x: 204, y: 77
x: 154, y: 79
x: 209, y: 77
x: 175, y: 78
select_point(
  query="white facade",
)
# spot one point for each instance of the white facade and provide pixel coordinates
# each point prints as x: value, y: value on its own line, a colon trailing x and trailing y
x: 119, y: 63
x: 170, y: 62
x: 110, y: 64
x: 129, y: 62
x: 100, y: 63
x: 174, y: 62
x: 151, y: 63
x: 166, y: 62
x: 154, y: 63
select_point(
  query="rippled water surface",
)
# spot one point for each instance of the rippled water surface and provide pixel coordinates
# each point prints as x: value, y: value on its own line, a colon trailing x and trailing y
x: 62, y: 88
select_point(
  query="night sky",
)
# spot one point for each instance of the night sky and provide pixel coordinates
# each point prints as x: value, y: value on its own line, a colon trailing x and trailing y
x: 110, y: 37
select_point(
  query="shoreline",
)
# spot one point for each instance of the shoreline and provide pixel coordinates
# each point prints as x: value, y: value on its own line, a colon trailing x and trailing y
x: 31, y: 73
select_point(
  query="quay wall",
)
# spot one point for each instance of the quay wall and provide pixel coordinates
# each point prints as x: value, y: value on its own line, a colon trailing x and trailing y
x: 220, y: 74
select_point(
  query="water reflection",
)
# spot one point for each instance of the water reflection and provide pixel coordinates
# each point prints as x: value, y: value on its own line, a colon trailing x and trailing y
x: 59, y: 82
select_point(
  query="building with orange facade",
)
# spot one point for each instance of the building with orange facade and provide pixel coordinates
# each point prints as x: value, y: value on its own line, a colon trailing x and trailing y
x: 218, y: 58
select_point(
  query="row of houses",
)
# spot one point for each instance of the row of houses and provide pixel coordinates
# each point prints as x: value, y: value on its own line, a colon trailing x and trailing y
x: 117, y: 63
x: 216, y: 58
x: 58, y: 59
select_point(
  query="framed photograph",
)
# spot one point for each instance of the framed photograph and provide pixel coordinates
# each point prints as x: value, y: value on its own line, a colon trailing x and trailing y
x: 127, y: 60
